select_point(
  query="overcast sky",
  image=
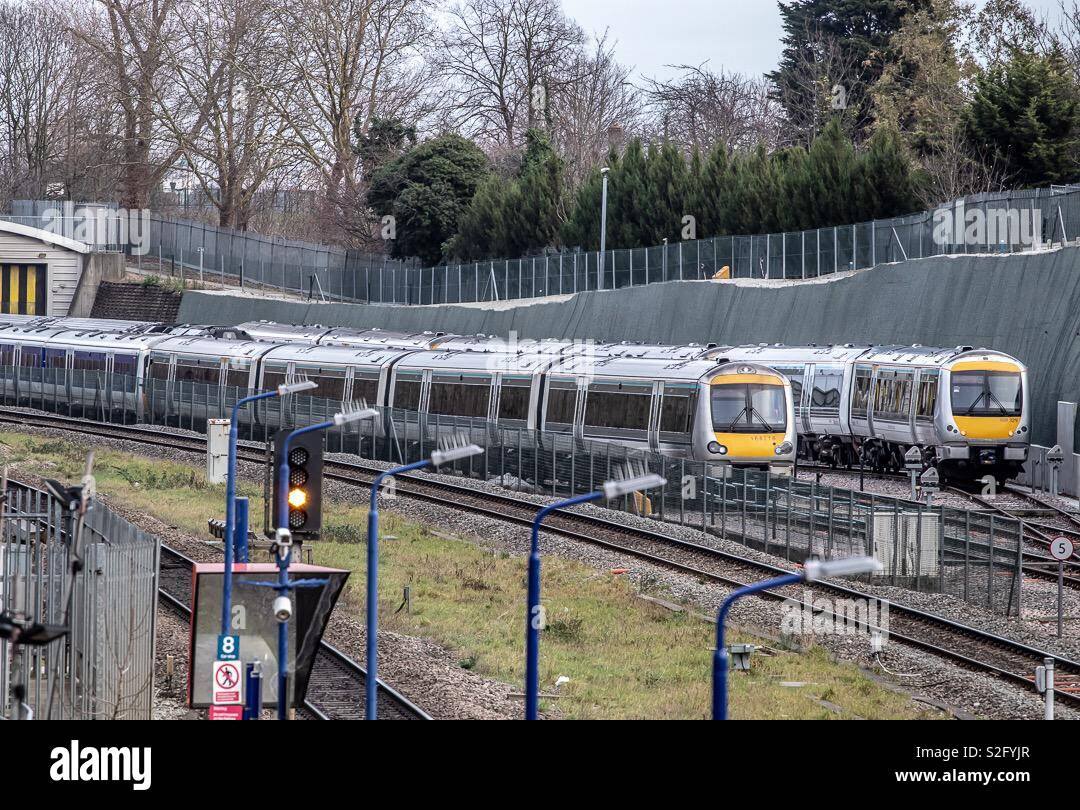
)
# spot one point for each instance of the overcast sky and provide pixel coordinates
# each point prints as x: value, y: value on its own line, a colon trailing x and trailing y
x: 739, y: 35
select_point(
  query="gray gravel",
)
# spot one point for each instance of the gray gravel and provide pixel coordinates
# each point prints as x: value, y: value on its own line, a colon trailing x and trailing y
x: 936, y: 680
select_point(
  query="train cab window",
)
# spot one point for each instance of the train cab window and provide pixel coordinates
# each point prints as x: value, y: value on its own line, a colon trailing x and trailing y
x: 514, y: 393
x: 407, y: 390
x: 618, y: 407
x: 366, y: 387
x: 677, y: 413
x: 987, y: 393
x: 860, y: 393
x: 825, y: 398
x: 928, y: 392
x: 751, y: 408
x: 331, y: 381
x: 561, y: 405
x: 460, y: 395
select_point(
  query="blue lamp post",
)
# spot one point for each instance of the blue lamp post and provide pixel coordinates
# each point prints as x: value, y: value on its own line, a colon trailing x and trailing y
x: 812, y: 571
x: 282, y: 606
x: 455, y: 451
x: 230, y: 488
x: 609, y: 491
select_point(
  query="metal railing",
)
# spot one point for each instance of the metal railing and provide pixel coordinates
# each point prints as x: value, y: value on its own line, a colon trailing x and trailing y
x: 1005, y: 222
x: 971, y: 555
x: 104, y: 667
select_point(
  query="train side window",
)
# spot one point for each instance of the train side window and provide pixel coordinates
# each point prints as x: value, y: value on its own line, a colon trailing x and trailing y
x: 30, y: 357
x: 88, y: 361
x: 159, y: 368
x: 514, y: 395
x: 198, y: 371
x: 366, y: 387
x: 561, y: 403
x: 677, y: 413
x: 55, y: 358
x: 331, y: 381
x: 795, y: 377
x: 238, y: 378
x: 860, y: 395
x: 272, y: 378
x: 7, y: 354
x: 459, y: 395
x: 928, y: 391
x: 618, y: 407
x: 825, y: 398
x: 407, y: 391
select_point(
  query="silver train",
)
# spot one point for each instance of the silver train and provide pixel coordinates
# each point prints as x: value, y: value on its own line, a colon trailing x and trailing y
x: 695, y: 407
x: 967, y: 409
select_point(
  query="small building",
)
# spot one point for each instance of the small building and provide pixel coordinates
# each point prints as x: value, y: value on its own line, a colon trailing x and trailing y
x: 40, y: 271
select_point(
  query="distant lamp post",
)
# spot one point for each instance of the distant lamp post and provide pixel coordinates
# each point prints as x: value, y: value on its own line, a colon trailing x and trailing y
x: 608, y: 491
x: 603, y: 230
x: 454, y: 450
x: 812, y: 571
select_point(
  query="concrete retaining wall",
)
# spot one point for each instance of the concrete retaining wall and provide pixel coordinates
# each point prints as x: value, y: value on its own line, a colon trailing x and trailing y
x: 1027, y: 305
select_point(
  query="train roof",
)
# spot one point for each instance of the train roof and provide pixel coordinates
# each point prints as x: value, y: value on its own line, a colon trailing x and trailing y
x: 106, y: 341
x: 635, y: 367
x: 780, y: 353
x: 463, y: 361
x: 405, y: 340
x: 271, y: 331
x: 211, y: 347
x: 334, y: 355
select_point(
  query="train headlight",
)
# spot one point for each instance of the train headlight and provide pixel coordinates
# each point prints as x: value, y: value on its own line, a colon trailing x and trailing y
x: 716, y: 447
x: 783, y: 449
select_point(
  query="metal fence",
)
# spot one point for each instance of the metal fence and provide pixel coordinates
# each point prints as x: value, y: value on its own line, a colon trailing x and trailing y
x: 104, y: 667
x: 1006, y: 222
x: 971, y: 555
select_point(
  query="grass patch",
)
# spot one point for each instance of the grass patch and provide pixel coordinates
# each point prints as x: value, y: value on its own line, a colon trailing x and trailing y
x: 625, y: 657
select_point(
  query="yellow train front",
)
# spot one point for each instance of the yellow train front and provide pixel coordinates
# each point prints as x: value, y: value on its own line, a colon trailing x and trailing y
x: 746, y: 418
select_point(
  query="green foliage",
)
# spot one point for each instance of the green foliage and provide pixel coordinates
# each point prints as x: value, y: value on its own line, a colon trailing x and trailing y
x: 426, y: 190
x: 861, y: 31
x: 517, y: 217
x: 1024, y: 113
x: 384, y: 140
x: 746, y: 193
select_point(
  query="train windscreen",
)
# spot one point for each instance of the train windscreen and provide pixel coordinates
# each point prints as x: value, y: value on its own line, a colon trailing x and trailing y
x: 750, y: 408
x: 986, y: 393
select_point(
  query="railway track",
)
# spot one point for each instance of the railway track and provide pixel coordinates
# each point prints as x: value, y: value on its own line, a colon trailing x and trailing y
x: 970, y: 647
x: 336, y: 688
x: 1038, y: 534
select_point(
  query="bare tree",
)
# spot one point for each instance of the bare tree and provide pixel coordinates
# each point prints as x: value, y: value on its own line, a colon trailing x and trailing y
x: 505, y: 62
x: 38, y: 65
x: 825, y: 84
x: 701, y: 108
x: 586, y: 112
x: 221, y: 54
x: 349, y: 61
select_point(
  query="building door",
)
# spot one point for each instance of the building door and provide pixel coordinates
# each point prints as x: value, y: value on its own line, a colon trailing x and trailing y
x: 23, y: 289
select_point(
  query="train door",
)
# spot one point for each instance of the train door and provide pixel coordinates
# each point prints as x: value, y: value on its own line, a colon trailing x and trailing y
x: 862, y: 382
x: 24, y: 289
x: 654, y: 416
x: 806, y: 398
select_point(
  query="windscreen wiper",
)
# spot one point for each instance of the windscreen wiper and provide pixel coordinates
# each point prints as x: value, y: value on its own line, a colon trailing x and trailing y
x: 735, y: 421
x: 768, y: 428
x: 1004, y: 411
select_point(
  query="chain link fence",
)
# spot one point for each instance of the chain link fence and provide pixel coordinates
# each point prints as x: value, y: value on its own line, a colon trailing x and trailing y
x: 1004, y: 222
x: 103, y: 668
x: 935, y: 549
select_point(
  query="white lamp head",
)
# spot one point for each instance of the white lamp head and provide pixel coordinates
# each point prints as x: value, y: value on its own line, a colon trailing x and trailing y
x: 846, y: 567
x: 355, y: 412
x: 296, y: 387
x: 613, y: 489
x: 455, y: 449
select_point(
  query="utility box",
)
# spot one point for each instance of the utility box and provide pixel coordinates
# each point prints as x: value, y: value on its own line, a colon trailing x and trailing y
x: 217, y: 451
x: 908, y: 545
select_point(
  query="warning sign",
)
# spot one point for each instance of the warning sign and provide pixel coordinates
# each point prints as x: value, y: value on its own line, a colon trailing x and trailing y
x: 226, y: 713
x: 226, y: 686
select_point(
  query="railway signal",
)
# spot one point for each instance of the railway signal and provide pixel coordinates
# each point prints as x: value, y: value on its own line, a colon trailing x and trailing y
x: 304, y: 483
x: 913, y: 463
